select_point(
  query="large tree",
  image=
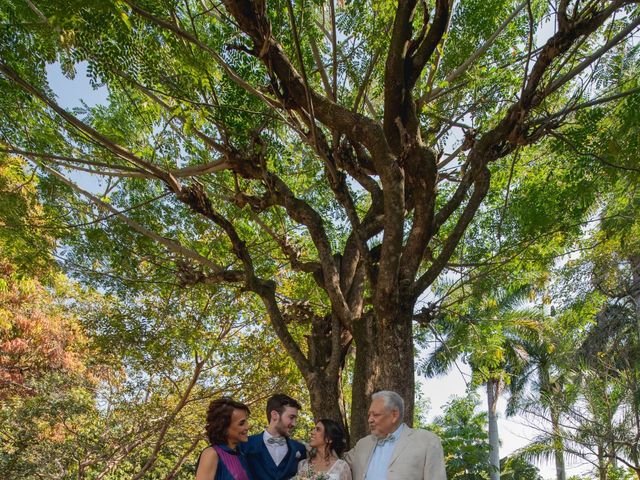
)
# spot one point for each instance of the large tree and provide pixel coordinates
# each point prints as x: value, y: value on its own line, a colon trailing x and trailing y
x: 327, y: 158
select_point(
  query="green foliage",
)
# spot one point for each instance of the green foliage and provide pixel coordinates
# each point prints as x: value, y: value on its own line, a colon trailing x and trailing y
x: 464, y: 439
x: 421, y: 409
x: 612, y: 474
x: 86, y: 375
x: 21, y: 219
x: 516, y: 468
x: 487, y: 332
x: 47, y: 429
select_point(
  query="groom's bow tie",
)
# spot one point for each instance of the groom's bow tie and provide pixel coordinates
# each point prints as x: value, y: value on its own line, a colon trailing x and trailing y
x: 280, y: 441
x: 388, y: 439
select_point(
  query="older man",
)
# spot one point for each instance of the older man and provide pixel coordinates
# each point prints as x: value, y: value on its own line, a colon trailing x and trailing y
x: 394, y: 451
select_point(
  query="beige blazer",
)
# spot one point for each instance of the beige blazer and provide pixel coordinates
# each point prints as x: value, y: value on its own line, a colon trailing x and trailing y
x: 418, y: 456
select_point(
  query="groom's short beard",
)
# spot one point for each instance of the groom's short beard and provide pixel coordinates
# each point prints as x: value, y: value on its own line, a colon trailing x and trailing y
x: 280, y: 428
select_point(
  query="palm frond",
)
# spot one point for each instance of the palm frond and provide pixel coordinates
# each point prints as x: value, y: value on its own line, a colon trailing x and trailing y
x: 540, y: 450
x: 441, y: 359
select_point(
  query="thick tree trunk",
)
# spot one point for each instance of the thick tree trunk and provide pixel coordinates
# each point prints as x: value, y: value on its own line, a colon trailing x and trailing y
x: 396, y: 358
x: 494, y: 439
x: 364, y: 334
x: 324, y: 375
x: 325, y: 397
x: 561, y: 473
x: 324, y: 394
x: 384, y: 361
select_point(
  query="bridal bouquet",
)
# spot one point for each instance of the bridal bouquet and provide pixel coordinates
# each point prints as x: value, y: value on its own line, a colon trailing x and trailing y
x: 309, y: 474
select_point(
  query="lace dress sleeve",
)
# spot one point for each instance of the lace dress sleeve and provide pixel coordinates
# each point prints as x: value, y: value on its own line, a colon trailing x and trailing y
x: 341, y: 468
x: 302, y: 465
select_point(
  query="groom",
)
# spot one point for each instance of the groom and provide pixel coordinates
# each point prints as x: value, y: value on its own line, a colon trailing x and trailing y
x: 272, y: 455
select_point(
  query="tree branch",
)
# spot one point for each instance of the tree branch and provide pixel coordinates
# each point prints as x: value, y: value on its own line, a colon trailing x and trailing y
x: 171, y: 245
x: 395, y: 74
x: 592, y: 103
x: 470, y: 60
x: 167, y: 422
x: 481, y: 187
x: 353, y: 125
x: 86, y: 129
x: 591, y: 58
x: 432, y: 39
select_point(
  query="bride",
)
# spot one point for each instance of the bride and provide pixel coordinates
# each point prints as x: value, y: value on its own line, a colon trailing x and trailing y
x: 327, y: 445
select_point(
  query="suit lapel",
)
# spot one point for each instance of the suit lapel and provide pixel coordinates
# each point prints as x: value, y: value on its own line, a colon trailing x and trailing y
x: 284, y: 464
x: 264, y: 451
x: 401, y: 444
x: 371, y: 447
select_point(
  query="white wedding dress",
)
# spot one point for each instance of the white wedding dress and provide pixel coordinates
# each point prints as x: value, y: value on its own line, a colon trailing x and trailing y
x: 339, y: 470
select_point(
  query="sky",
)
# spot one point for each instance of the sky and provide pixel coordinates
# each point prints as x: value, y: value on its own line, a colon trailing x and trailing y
x: 71, y: 93
x: 514, y: 432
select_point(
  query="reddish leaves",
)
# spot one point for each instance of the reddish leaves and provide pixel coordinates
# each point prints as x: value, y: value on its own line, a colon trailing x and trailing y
x: 36, y: 334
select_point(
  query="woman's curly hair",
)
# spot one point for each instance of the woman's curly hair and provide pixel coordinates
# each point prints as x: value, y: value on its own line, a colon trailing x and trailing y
x: 219, y: 418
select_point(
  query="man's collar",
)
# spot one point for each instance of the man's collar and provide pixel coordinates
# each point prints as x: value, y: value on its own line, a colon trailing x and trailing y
x: 267, y: 435
x: 398, y: 431
x: 391, y: 437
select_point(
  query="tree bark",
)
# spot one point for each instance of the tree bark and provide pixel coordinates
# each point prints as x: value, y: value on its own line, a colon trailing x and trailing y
x: 395, y: 357
x: 384, y: 361
x: 324, y: 394
x: 323, y: 377
x: 558, y: 447
x: 364, y: 371
x: 602, y: 464
x: 494, y: 439
x: 634, y: 290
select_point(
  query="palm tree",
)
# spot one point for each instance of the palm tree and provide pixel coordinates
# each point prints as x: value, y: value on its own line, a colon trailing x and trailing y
x: 487, y: 332
x: 545, y: 394
x: 591, y: 381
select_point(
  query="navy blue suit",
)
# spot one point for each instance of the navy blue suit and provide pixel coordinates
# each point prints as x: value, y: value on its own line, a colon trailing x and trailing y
x: 262, y: 465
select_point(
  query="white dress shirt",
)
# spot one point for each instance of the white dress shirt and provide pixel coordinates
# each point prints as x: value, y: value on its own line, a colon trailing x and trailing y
x: 381, y: 456
x: 277, y: 452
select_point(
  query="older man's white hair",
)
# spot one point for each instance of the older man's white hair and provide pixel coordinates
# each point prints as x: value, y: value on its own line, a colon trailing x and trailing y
x: 392, y: 401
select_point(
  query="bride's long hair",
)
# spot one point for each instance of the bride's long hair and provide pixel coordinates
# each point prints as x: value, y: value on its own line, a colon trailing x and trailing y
x: 334, y: 438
